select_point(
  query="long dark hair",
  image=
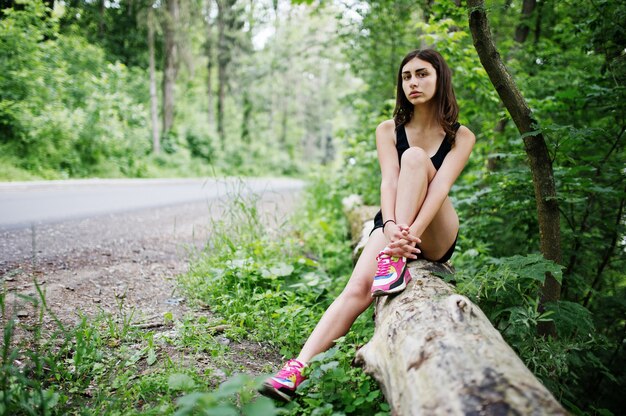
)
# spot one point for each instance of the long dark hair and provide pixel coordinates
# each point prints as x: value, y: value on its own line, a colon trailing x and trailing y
x: 446, y: 108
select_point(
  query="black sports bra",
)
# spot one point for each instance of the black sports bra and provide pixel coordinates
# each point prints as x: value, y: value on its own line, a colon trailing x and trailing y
x: 402, y: 143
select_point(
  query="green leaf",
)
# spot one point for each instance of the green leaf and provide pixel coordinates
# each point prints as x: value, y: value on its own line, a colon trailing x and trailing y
x: 373, y: 395
x: 329, y: 366
x: 532, y: 266
x: 260, y: 407
x: 222, y: 410
x: 135, y: 357
x: 279, y: 270
x: 233, y: 385
x: 187, y: 403
x: 152, y: 357
x: 180, y: 381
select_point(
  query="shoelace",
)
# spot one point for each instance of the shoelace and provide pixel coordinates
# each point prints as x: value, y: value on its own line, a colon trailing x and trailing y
x: 289, y: 368
x: 383, y: 265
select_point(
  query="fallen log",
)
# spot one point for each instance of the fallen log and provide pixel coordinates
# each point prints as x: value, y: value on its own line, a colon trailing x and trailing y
x: 435, y: 353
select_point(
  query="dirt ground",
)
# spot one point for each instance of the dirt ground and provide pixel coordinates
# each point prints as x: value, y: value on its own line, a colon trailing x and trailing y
x: 120, y: 264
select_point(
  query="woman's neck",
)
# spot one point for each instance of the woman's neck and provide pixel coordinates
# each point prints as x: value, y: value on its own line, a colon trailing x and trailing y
x: 423, y: 118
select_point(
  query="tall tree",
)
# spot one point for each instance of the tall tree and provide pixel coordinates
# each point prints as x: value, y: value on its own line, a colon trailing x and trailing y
x: 154, y: 112
x: 229, y: 23
x: 522, y: 29
x: 170, y: 71
x: 223, y: 59
x: 209, y: 50
x: 535, y: 146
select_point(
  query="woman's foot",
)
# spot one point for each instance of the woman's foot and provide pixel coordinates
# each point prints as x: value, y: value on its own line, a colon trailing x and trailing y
x: 391, y: 276
x: 284, y: 384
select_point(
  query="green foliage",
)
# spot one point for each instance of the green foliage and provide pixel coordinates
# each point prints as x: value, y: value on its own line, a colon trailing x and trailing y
x: 74, y: 91
x: 279, y: 285
x: 508, y: 291
x: 236, y: 396
x: 63, y: 107
x: 119, y: 29
x: 575, y: 87
x: 290, y: 286
x: 335, y: 387
x: 514, y: 282
x: 103, y: 365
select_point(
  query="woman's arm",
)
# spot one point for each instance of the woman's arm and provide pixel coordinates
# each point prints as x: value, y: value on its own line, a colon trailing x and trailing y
x: 445, y: 177
x: 390, y: 170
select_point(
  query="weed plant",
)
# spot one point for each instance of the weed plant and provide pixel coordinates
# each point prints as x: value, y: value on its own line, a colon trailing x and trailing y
x: 103, y: 365
x: 269, y: 284
x: 273, y: 284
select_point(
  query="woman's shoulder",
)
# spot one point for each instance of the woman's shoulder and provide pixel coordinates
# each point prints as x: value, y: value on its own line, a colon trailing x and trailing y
x: 386, y: 128
x: 465, y: 135
x: 386, y: 132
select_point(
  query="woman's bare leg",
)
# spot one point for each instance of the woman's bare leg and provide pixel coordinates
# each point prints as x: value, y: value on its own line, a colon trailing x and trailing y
x: 354, y: 299
x: 416, y: 173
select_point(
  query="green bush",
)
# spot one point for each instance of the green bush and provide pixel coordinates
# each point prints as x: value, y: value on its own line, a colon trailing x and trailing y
x: 273, y: 286
x: 63, y: 107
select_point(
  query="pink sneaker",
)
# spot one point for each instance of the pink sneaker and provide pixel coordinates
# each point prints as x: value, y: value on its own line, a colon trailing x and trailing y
x: 390, y: 276
x: 284, y: 384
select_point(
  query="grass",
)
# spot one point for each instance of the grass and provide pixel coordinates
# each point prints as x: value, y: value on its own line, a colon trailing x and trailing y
x: 162, y: 166
x: 106, y: 365
x: 265, y: 286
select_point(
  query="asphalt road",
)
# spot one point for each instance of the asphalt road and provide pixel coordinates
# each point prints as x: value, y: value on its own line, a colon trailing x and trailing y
x: 46, y: 221
x: 23, y: 204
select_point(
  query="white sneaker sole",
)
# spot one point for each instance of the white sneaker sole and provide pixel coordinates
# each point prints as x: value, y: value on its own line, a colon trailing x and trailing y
x: 378, y: 293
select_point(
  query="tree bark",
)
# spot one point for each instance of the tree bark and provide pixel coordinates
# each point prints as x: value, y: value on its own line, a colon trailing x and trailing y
x: 171, y: 64
x: 154, y: 111
x: 210, y: 63
x: 102, y: 11
x: 435, y: 353
x: 522, y: 30
x: 535, y: 146
x: 222, y: 63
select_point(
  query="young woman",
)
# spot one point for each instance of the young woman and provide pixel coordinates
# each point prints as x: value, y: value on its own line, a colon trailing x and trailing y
x: 421, y: 152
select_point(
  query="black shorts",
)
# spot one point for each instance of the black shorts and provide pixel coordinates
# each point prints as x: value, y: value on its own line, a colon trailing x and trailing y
x: 378, y: 223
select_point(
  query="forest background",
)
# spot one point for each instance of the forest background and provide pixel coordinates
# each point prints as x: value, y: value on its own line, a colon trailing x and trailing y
x: 232, y: 87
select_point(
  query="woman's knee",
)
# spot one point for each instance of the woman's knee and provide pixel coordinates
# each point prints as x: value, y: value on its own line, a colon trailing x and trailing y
x: 359, y: 291
x: 415, y: 157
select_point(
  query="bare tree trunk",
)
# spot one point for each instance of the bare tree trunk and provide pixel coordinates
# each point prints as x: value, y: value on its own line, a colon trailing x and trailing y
x: 154, y: 111
x: 229, y: 23
x: 222, y: 62
x: 100, y: 18
x: 435, y: 353
x: 171, y: 64
x: 536, y: 150
x: 210, y: 63
x: 522, y: 30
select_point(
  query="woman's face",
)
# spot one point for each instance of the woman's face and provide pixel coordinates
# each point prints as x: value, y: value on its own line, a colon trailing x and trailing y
x: 419, y: 81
